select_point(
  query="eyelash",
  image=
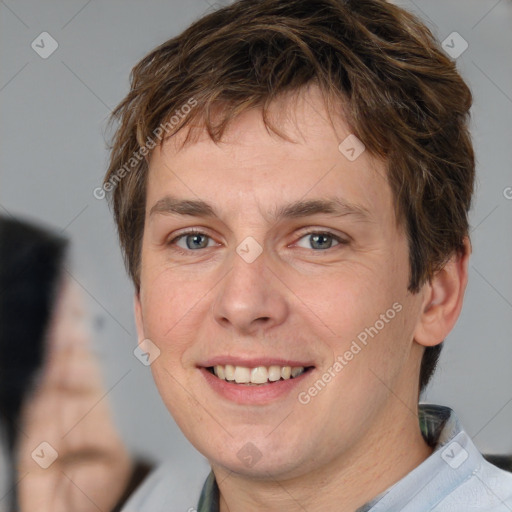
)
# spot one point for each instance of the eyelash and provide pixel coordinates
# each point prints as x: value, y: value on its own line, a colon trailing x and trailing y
x: 172, y: 242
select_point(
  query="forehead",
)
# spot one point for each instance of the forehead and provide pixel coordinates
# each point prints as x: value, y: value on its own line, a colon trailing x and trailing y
x: 252, y: 164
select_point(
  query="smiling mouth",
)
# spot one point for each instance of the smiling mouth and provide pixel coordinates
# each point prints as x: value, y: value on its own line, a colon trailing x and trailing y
x: 258, y: 376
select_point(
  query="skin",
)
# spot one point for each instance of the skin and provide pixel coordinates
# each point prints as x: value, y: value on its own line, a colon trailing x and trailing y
x: 360, y: 434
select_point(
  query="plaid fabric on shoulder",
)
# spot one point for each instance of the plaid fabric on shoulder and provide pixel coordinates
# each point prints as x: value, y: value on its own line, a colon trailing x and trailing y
x: 209, y: 499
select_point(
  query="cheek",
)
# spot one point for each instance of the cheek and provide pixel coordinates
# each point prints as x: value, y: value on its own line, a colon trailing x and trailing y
x: 361, y: 315
x: 347, y: 302
x: 170, y: 321
x: 171, y: 311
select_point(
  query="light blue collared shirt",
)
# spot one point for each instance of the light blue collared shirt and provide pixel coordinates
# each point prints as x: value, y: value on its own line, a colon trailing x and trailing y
x: 455, y: 478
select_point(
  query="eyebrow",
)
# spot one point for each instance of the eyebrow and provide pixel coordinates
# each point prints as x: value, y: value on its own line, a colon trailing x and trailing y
x: 335, y: 206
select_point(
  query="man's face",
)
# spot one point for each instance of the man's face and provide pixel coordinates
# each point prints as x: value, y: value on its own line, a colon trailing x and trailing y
x: 255, y: 287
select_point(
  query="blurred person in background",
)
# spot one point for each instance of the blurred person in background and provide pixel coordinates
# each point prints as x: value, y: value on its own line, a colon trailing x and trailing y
x: 60, y: 445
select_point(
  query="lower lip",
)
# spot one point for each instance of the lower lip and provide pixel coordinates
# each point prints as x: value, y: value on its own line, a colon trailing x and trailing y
x: 255, y: 395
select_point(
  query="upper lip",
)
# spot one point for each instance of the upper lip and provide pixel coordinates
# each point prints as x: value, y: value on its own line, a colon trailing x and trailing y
x: 253, y: 362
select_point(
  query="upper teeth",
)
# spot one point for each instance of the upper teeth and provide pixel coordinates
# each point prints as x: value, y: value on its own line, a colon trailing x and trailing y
x: 258, y: 375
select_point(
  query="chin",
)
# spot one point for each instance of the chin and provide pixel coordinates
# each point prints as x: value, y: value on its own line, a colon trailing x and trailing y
x: 255, y: 456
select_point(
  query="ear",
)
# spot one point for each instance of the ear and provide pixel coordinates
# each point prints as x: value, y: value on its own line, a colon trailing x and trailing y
x: 137, y: 310
x: 443, y: 298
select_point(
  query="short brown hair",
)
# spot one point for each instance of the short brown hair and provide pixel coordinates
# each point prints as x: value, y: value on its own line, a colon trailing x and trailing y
x: 402, y: 96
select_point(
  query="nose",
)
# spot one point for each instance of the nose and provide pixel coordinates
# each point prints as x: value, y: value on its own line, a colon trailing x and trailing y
x: 250, y: 297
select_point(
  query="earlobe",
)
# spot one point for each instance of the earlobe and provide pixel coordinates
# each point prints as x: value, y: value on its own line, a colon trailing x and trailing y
x: 443, y: 299
x: 137, y: 310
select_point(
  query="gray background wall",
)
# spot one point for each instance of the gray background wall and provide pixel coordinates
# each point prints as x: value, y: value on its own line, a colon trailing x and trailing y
x: 53, y: 155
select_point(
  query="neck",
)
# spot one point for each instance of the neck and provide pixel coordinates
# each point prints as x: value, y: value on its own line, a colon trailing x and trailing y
x: 390, y: 452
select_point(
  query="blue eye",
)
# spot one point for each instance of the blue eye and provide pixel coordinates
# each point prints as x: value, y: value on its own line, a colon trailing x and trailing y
x: 193, y: 240
x: 321, y: 240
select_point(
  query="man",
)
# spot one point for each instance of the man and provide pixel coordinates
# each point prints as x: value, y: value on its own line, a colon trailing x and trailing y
x: 291, y: 182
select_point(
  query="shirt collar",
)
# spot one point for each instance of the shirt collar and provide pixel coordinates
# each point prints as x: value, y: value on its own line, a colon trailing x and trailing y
x: 438, y: 426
